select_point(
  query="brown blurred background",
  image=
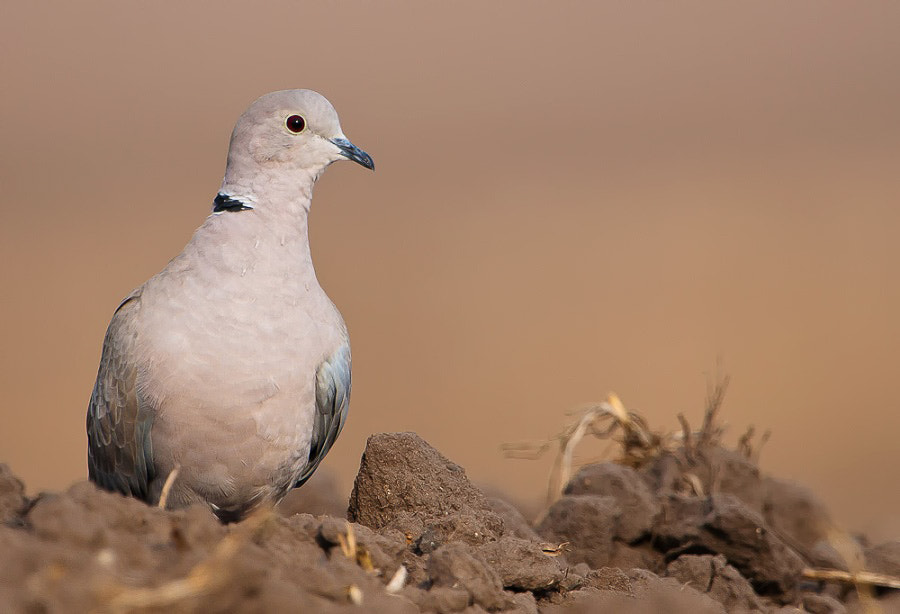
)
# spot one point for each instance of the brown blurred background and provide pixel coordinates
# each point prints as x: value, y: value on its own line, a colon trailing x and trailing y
x: 571, y: 198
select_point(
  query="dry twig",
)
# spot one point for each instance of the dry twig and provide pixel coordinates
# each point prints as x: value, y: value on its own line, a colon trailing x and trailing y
x: 554, y: 549
x: 861, y: 577
x: 687, y: 439
x: 167, y: 487
x: 711, y: 431
x: 746, y: 446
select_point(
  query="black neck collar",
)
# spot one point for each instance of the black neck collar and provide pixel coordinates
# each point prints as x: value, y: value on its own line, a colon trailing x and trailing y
x: 223, y: 202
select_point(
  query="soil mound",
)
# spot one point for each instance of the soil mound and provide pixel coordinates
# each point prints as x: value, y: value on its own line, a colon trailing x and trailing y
x: 690, y: 529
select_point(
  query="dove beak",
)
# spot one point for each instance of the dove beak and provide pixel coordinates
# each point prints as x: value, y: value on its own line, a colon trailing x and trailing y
x: 352, y: 152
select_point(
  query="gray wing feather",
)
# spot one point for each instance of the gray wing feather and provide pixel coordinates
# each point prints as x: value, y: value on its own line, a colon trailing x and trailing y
x: 120, y: 456
x: 332, y: 403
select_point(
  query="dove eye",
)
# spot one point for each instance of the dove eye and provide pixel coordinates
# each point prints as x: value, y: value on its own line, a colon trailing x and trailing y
x: 295, y: 123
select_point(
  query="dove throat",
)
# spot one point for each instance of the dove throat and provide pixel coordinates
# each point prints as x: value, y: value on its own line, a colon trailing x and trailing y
x: 257, y: 236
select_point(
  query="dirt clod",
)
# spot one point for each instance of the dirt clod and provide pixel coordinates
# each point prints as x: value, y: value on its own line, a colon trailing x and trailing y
x: 822, y: 604
x: 522, y: 564
x: 715, y: 577
x: 454, y: 565
x: 636, y: 502
x: 588, y: 522
x: 723, y: 524
x: 514, y: 522
x: 12, y: 496
x: 401, y: 474
x: 795, y: 512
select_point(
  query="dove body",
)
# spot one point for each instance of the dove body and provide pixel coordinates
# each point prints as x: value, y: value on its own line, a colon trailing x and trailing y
x: 232, y: 365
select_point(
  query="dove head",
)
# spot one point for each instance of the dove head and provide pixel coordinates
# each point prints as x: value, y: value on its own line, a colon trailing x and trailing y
x: 283, y: 142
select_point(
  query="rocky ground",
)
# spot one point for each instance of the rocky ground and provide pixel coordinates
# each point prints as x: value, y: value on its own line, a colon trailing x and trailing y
x: 695, y: 528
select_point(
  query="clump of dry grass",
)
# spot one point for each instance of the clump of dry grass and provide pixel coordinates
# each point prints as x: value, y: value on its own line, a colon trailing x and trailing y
x: 605, y: 420
x: 639, y: 444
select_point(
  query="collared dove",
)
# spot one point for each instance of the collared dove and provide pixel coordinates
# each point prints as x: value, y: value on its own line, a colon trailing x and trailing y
x: 231, y: 365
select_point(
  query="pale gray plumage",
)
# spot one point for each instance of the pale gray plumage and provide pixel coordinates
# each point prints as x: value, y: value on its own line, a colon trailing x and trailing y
x: 232, y: 364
